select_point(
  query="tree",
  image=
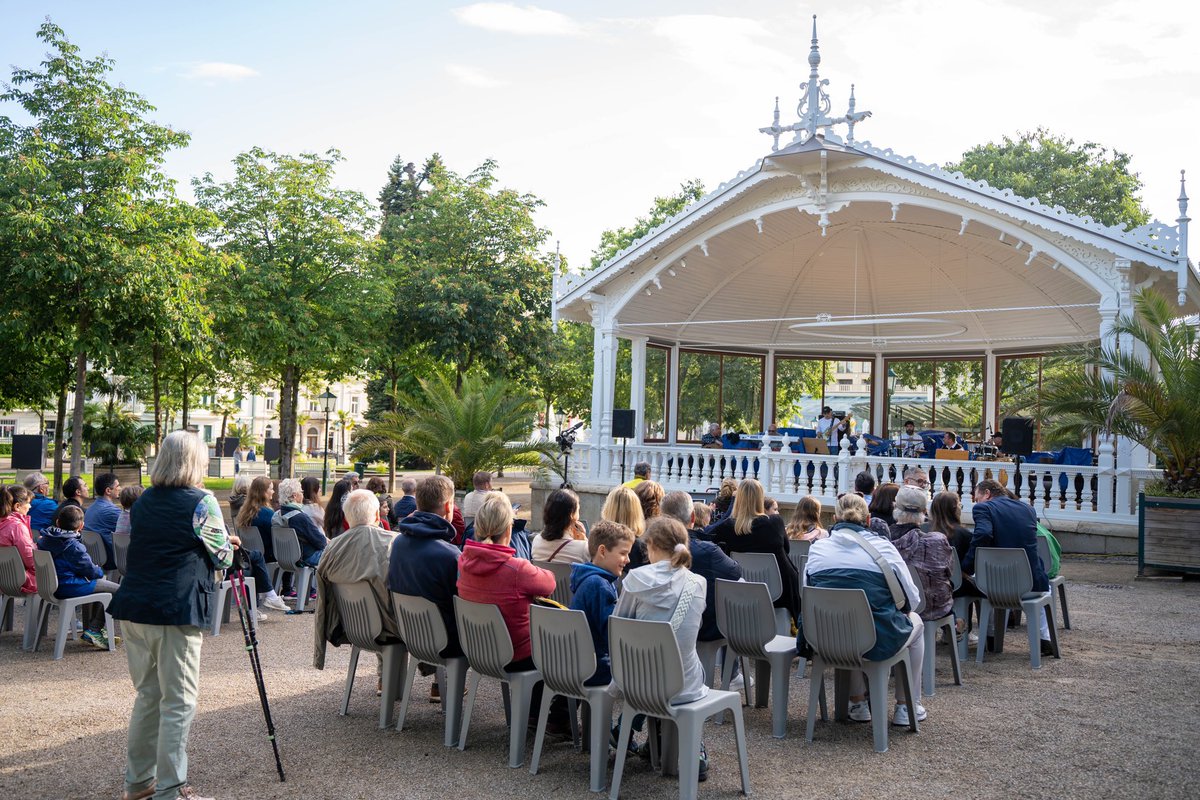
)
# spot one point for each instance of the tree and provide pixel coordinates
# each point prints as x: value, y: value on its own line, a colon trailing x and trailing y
x: 615, y: 240
x: 299, y: 281
x: 1084, y: 179
x: 84, y: 205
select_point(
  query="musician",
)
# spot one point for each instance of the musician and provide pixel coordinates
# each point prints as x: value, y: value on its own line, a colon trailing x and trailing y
x: 712, y: 439
x: 950, y: 441
x: 842, y: 428
x: 825, y: 423
x: 909, y: 442
x: 998, y: 441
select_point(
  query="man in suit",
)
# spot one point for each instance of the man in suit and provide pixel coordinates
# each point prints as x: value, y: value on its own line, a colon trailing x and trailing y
x: 1003, y: 521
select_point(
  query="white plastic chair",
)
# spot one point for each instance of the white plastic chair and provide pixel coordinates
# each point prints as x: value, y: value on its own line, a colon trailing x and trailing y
x: 424, y: 633
x: 1057, y: 582
x: 1003, y: 574
x: 362, y: 623
x: 763, y: 568
x: 931, y: 628
x: 288, y: 555
x: 12, y: 578
x: 562, y: 580
x: 488, y: 647
x: 745, y: 616
x: 647, y: 666
x: 839, y: 626
x: 565, y: 655
x: 225, y: 601
x: 47, y: 585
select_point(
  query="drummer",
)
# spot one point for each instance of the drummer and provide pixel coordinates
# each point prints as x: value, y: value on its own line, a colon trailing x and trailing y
x: 909, y: 442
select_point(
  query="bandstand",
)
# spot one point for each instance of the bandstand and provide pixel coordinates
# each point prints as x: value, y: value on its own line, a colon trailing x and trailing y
x: 832, y: 256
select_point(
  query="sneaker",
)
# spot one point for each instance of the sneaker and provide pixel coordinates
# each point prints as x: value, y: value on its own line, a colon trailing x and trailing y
x: 96, y: 639
x: 973, y: 639
x: 738, y: 683
x: 261, y: 616
x: 900, y: 717
x: 703, y: 775
x: 274, y: 602
x: 289, y: 594
x: 435, y: 694
x: 186, y: 792
x: 1048, y: 648
x: 860, y: 711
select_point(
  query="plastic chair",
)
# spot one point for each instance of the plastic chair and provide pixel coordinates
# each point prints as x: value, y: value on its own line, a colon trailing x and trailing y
x: 485, y: 640
x: 745, y: 616
x: 47, y: 585
x: 647, y: 666
x: 363, y: 625
x: 94, y: 544
x: 121, y: 552
x: 707, y: 653
x: 225, y: 600
x: 565, y: 655
x: 1058, y: 581
x: 252, y: 540
x: 562, y: 580
x: 932, y: 626
x: 425, y: 636
x: 1003, y: 574
x: 12, y: 578
x: 763, y: 568
x: 288, y: 555
x: 839, y: 626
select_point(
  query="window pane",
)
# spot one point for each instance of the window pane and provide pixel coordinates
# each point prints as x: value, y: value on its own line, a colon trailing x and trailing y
x: 741, y: 394
x: 656, y: 393
x: 910, y: 395
x: 624, y: 370
x: 699, y: 376
x: 960, y: 398
x: 1018, y: 387
x: 797, y: 392
x: 848, y: 389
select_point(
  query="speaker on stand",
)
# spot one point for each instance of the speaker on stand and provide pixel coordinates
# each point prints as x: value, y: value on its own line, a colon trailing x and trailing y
x: 623, y: 424
x: 1017, y: 434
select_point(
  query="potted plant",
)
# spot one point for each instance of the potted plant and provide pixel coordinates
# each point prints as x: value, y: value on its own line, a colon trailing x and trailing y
x: 1151, y: 397
x: 119, y: 442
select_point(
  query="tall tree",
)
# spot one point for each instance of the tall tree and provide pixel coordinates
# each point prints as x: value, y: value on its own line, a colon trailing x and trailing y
x: 615, y: 240
x: 300, y: 280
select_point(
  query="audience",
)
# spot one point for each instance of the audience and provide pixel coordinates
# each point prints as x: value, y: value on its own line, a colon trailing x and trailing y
x: 407, y: 503
x: 724, y: 500
x: 14, y: 530
x: 916, y: 476
x: 101, y: 516
x: 864, y: 484
x: 563, y: 538
x: 482, y: 483
x: 641, y: 472
x: 42, y: 507
x: 74, y: 492
x: 805, y: 524
x: 945, y: 517
x: 77, y: 574
x: 771, y: 506
x: 129, y: 496
x: 334, y: 523
x: 708, y: 560
x: 311, y: 487
x: 927, y: 553
x: 622, y: 506
x: 378, y: 487
x: 702, y: 513
x: 594, y: 588
x: 881, y: 507
x: 291, y: 513
x: 257, y: 511
x: 237, y: 494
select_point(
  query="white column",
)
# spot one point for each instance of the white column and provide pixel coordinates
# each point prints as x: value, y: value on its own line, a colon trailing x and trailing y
x: 637, y: 387
x: 598, y: 396
x: 879, y: 386
x: 991, y: 380
x: 673, y: 397
x: 768, y: 410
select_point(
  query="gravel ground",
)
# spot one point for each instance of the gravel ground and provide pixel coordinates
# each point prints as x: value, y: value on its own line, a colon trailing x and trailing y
x: 1116, y: 716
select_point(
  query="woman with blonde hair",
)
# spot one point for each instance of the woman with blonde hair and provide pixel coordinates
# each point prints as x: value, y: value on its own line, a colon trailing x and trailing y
x: 750, y: 529
x: 650, y: 495
x: 805, y: 524
x: 622, y: 505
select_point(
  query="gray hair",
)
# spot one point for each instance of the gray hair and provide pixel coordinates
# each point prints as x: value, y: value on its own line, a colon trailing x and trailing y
x: 910, y: 505
x: 408, y: 485
x: 677, y: 505
x: 288, y: 489
x: 361, y: 507
x: 913, y: 472
x: 34, y: 480
x: 182, y: 460
x: 642, y: 469
x: 241, y: 483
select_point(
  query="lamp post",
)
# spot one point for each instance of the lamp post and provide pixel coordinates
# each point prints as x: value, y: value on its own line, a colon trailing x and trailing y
x: 328, y: 399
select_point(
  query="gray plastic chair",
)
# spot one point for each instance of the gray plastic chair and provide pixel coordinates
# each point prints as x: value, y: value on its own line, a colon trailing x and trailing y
x: 424, y: 633
x: 1057, y: 582
x: 363, y: 625
x: 763, y: 568
x: 707, y: 653
x: 647, y: 666
x: 12, y: 578
x: 488, y: 646
x: 121, y: 552
x: 47, y: 585
x: 252, y: 540
x: 225, y: 601
x: 745, y: 616
x: 94, y: 544
x: 288, y: 555
x: 931, y: 627
x: 798, y: 554
x: 839, y: 626
x: 962, y: 606
x: 562, y: 580
x: 565, y: 655
x: 1003, y: 574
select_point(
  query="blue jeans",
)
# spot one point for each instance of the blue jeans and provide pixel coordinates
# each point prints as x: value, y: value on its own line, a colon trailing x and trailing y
x: 312, y: 559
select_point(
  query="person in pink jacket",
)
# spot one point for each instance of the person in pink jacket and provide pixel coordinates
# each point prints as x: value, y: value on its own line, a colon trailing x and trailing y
x: 14, y: 530
x: 489, y: 572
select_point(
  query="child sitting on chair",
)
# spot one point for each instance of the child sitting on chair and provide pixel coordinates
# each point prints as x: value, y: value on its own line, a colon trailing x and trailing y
x: 595, y: 587
x: 77, y: 574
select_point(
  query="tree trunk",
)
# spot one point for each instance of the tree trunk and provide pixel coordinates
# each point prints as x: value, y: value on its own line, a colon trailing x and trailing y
x: 158, y: 432
x: 394, y: 381
x: 60, y: 421
x: 224, y: 420
x: 287, y: 420
x: 77, y: 413
x: 184, y: 422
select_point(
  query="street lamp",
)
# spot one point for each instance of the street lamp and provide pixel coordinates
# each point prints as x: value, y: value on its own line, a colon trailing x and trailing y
x: 328, y: 400
x: 560, y: 417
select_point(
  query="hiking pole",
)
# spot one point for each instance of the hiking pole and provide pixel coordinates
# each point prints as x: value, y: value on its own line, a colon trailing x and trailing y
x: 250, y: 635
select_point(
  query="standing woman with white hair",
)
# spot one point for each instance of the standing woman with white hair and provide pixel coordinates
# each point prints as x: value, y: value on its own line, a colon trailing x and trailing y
x: 166, y: 599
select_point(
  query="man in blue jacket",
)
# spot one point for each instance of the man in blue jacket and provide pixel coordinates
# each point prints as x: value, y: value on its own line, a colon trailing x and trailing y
x: 102, y: 515
x: 42, y: 507
x: 708, y: 560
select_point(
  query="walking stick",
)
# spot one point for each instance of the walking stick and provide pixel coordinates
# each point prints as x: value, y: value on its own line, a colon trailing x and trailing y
x: 250, y: 635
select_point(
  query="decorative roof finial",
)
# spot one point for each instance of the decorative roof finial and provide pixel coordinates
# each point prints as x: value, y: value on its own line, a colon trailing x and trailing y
x: 1183, y: 198
x: 1182, y: 232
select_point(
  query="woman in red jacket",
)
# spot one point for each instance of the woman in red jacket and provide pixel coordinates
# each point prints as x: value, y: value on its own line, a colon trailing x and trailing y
x: 14, y: 530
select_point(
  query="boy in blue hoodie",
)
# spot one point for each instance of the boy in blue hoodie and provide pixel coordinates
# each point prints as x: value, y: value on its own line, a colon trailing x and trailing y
x: 595, y: 591
x: 77, y: 574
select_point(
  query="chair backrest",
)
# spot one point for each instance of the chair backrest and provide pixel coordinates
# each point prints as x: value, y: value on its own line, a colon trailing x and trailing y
x: 47, y: 578
x: 287, y: 547
x: 955, y: 572
x: 1044, y: 553
x: 1003, y: 574
x: 121, y: 551
x: 799, y: 546
x: 484, y: 637
x: 251, y: 538
x: 421, y: 627
x: 361, y: 620
x: 802, y: 568
x: 94, y: 544
x: 838, y: 624
x: 745, y: 615
x: 916, y: 579
x: 645, y: 663
x: 798, y: 557
x: 761, y: 568
x: 562, y: 580
x: 562, y: 648
x: 12, y: 572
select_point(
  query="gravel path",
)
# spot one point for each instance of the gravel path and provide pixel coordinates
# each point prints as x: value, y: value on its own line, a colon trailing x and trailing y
x: 1115, y: 717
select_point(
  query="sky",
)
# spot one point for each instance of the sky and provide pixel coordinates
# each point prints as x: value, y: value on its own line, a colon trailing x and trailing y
x: 597, y: 107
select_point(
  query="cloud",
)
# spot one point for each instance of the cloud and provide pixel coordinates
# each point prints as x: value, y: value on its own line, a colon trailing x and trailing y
x: 472, y: 76
x: 727, y: 48
x: 219, y: 71
x: 524, y: 20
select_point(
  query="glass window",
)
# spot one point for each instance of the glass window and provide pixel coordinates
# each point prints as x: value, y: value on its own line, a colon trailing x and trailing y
x: 7, y: 428
x: 657, y: 362
x: 804, y: 386
x: 354, y: 405
x: 208, y: 433
x: 271, y: 402
x: 741, y: 394
x: 1019, y: 394
x: 942, y: 395
x: 699, y: 393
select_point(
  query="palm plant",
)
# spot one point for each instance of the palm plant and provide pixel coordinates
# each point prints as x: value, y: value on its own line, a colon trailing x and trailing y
x: 243, y: 435
x: 1151, y: 398
x: 484, y: 427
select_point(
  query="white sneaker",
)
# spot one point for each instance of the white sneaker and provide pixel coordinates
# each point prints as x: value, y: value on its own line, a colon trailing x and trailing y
x: 860, y: 711
x: 972, y: 640
x: 261, y: 616
x: 900, y: 717
x: 274, y: 602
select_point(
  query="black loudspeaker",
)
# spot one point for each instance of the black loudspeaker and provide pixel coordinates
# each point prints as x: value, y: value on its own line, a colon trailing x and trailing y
x: 1018, y: 436
x: 28, y: 452
x: 227, y: 447
x: 270, y: 450
x: 622, y: 423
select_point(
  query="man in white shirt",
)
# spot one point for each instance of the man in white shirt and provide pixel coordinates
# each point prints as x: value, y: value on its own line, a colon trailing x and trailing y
x: 482, y: 481
x: 824, y: 423
x: 909, y: 442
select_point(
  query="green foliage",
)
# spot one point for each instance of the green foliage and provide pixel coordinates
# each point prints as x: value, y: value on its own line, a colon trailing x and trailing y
x: 1149, y: 399
x: 615, y: 240
x: 115, y: 436
x: 1084, y: 179
x: 244, y: 436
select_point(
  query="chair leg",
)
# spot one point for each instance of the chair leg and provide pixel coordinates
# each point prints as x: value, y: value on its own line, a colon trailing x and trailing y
x: 930, y: 636
x: 762, y: 683
x: 349, y: 681
x: 521, y: 692
x: 779, y: 699
x: 452, y: 703
x: 466, y: 720
x: 66, y: 621
x: 573, y: 721
x: 540, y: 737
x: 32, y: 607
x: 687, y: 731
x: 877, y: 680
x: 816, y: 685
x: 910, y: 679
x: 1033, y: 630
x: 599, y: 722
x: 8, y: 609
x: 622, y: 750
x: 43, y: 622
x: 395, y: 656
x: 110, y: 625
x: 954, y: 659
x: 223, y: 604
x: 1053, y: 630
x: 1062, y: 599
x: 739, y: 728
x: 985, y: 617
x: 302, y: 576
x: 410, y: 674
